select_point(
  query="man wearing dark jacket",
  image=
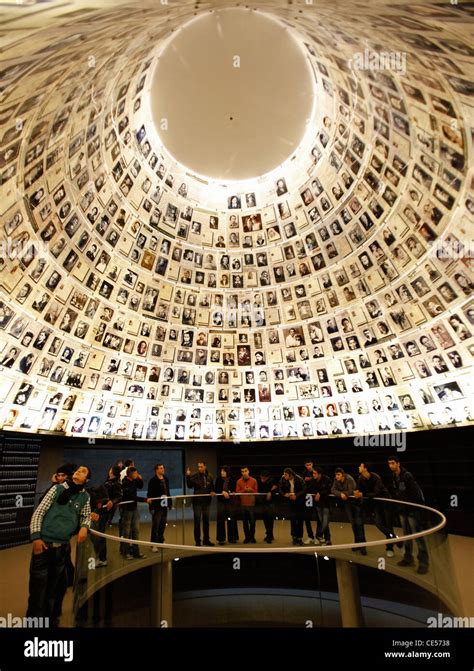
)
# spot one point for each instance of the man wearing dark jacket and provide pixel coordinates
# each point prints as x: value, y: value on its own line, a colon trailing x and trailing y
x: 129, y: 515
x: 307, y: 475
x: 369, y: 486
x: 202, y: 485
x: 319, y: 487
x: 104, y: 500
x: 63, y: 512
x: 159, y: 500
x: 267, y: 486
x: 292, y: 491
x: 343, y: 488
x: 404, y: 487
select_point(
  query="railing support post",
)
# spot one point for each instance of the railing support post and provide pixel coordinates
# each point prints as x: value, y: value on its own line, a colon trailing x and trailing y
x: 161, y: 606
x: 349, y: 595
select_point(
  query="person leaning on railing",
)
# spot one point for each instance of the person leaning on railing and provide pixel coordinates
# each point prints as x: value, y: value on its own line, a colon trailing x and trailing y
x: 129, y: 514
x: 227, y: 506
x: 343, y: 487
x: 319, y: 488
x: 404, y: 487
x: 292, y: 492
x: 104, y: 501
x: 202, y: 485
x: 370, y: 485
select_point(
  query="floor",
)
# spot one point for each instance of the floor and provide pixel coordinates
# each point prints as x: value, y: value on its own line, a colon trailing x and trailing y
x: 15, y: 563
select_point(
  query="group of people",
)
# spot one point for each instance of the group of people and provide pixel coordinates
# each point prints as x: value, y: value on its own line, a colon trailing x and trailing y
x: 304, y: 500
x: 69, y: 508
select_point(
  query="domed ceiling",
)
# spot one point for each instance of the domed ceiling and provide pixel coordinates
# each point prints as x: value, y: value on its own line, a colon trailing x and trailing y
x: 238, y: 223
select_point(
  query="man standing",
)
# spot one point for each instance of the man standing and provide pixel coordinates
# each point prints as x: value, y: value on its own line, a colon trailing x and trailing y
x: 369, y: 486
x: 63, y: 510
x: 159, y: 500
x: 203, y: 486
x: 320, y: 488
x: 267, y: 486
x: 309, y: 510
x: 404, y: 487
x: 292, y: 491
x: 129, y: 514
x: 343, y: 488
x: 247, y: 486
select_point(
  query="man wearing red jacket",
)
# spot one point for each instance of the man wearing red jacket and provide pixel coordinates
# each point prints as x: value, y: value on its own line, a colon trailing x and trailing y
x: 248, y: 487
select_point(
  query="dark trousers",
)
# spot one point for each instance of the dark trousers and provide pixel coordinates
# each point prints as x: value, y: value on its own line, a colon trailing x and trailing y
x: 47, y: 569
x: 248, y: 522
x: 201, y: 510
x: 296, y: 515
x: 354, y: 515
x: 158, y: 524
x: 130, y: 524
x: 268, y: 515
x: 226, y: 515
x: 383, y: 522
x: 309, y: 516
x: 412, y: 524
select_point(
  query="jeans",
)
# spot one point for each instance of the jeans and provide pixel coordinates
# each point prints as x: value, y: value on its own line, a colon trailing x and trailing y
x: 130, y: 523
x: 47, y: 570
x: 382, y: 519
x: 248, y: 521
x: 322, y: 529
x: 100, y: 544
x: 226, y: 514
x: 411, y: 524
x: 354, y: 515
x: 158, y: 524
x: 201, y: 510
x: 296, y: 515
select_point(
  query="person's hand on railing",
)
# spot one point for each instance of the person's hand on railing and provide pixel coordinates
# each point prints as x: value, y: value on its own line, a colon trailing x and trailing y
x: 344, y: 497
x: 358, y: 494
x: 82, y: 535
x: 109, y: 505
x: 317, y: 496
x: 95, y: 517
x: 225, y: 495
x: 269, y: 496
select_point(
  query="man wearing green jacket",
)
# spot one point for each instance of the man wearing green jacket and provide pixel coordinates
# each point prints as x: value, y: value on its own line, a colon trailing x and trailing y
x: 64, y: 511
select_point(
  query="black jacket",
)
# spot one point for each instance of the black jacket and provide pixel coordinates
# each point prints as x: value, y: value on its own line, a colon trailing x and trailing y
x: 114, y: 491
x: 158, y: 487
x: 266, y: 488
x: 201, y: 483
x: 406, y: 488
x: 129, y: 492
x: 321, y: 487
x: 219, y: 488
x: 299, y: 490
x: 372, y: 486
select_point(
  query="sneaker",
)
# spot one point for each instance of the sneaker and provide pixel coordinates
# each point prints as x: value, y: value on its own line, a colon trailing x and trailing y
x: 129, y: 557
x: 390, y: 553
x: 101, y: 562
x: 316, y: 541
x: 209, y: 544
x: 139, y: 556
x: 326, y: 543
x: 309, y: 541
x: 422, y: 569
x: 406, y: 562
x: 220, y: 542
x: 155, y: 549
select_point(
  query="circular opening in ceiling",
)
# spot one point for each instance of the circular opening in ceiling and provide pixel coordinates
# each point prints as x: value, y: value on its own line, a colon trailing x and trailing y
x: 232, y: 94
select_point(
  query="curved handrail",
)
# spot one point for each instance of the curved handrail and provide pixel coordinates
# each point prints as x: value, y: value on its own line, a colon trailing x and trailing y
x: 328, y: 549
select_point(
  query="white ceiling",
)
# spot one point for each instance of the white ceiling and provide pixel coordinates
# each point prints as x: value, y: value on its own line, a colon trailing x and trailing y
x: 232, y: 122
